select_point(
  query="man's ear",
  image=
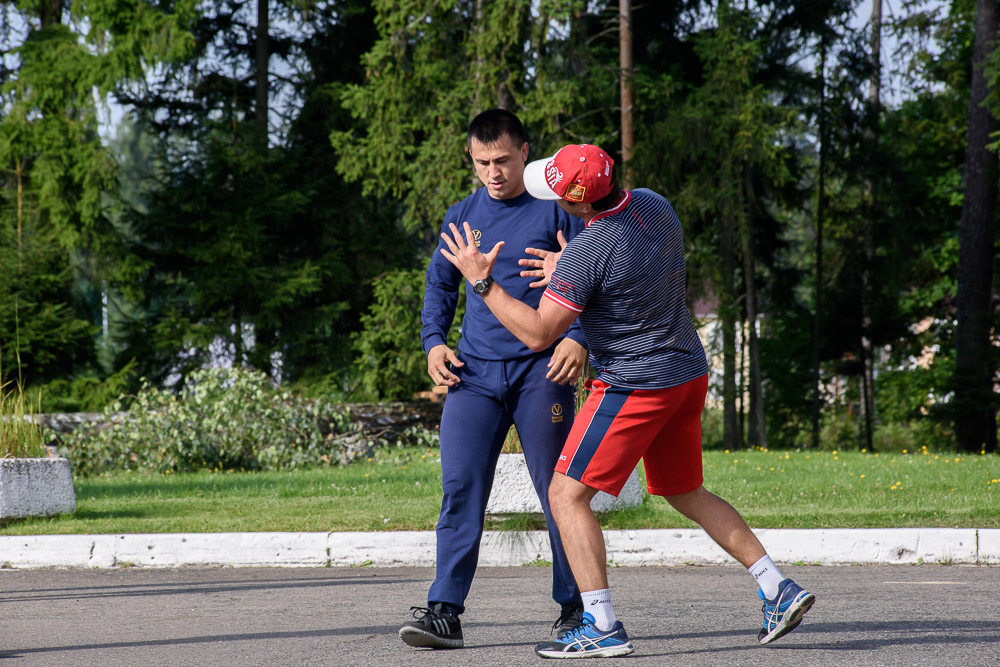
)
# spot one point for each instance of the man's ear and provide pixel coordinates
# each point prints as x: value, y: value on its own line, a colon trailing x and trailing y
x: 524, y: 152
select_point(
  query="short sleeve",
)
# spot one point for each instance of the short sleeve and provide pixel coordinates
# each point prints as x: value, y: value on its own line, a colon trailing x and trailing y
x: 578, y: 274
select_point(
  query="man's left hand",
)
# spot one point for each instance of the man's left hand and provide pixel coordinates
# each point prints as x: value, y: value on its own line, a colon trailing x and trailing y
x: 567, y: 361
x: 465, y: 256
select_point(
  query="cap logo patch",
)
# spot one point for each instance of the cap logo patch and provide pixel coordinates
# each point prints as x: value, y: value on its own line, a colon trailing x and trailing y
x: 575, y: 192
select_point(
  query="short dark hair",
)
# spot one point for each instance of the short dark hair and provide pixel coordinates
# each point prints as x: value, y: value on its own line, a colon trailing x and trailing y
x: 612, y: 198
x: 490, y: 126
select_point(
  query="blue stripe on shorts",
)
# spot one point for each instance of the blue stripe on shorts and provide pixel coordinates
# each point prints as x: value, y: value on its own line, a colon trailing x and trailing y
x: 607, y: 411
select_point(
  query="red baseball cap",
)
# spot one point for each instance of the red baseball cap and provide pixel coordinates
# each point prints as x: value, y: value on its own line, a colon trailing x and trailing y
x: 576, y: 173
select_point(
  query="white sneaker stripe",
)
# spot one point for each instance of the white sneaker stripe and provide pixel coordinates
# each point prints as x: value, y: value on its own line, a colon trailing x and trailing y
x: 583, y: 642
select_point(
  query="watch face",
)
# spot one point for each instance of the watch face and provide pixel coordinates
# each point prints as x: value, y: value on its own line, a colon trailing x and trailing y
x: 480, y: 286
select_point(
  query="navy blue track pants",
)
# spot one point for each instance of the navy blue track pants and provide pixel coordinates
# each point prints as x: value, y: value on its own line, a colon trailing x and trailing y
x: 477, y: 415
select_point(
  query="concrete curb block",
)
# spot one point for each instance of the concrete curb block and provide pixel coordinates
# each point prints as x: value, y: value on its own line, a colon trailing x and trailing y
x: 513, y: 491
x: 896, y: 546
x: 36, y: 487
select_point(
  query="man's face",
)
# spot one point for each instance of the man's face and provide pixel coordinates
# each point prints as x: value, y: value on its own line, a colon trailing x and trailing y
x: 500, y: 166
x: 584, y: 211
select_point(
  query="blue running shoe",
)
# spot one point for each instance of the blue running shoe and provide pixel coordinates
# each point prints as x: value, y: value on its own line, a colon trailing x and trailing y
x: 784, y: 613
x: 586, y: 641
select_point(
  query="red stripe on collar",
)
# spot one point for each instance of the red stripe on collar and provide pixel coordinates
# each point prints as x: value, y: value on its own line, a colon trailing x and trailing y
x: 626, y: 198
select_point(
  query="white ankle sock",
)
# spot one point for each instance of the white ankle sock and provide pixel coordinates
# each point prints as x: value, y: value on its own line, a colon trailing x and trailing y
x: 598, y: 604
x: 767, y: 575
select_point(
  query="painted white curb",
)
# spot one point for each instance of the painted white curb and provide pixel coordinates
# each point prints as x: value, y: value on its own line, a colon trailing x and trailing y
x: 417, y: 549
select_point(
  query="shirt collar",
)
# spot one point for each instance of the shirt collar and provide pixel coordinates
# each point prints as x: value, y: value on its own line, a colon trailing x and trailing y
x: 620, y: 206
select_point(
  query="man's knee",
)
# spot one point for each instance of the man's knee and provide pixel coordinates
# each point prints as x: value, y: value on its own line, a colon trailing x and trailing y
x: 685, y: 503
x: 564, y: 491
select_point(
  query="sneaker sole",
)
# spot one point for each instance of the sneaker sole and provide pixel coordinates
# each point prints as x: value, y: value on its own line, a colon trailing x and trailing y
x: 607, y: 652
x: 421, y: 639
x: 791, y: 619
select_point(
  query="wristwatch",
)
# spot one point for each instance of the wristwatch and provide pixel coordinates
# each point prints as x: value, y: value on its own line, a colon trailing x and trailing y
x: 482, y: 286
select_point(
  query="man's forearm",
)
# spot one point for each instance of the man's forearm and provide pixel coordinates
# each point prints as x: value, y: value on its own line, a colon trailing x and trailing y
x: 520, y: 319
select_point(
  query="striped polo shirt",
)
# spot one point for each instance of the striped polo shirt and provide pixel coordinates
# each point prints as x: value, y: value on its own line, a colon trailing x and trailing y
x: 624, y: 274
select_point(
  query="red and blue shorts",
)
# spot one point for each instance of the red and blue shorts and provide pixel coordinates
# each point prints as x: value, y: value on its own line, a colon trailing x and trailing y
x: 617, y: 427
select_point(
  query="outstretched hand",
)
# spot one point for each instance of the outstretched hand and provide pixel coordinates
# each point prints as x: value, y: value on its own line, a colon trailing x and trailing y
x: 465, y: 256
x: 543, y: 267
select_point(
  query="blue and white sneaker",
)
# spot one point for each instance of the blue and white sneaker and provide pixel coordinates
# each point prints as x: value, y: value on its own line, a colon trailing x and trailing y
x: 586, y: 641
x: 784, y: 613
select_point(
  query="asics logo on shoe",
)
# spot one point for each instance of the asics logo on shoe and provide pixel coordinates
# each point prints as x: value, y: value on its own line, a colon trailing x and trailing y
x: 583, y: 643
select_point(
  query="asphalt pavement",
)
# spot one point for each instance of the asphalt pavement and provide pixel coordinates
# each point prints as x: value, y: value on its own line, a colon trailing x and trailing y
x: 682, y: 615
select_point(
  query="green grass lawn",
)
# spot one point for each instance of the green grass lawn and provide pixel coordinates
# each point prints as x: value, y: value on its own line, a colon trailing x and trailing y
x: 772, y: 489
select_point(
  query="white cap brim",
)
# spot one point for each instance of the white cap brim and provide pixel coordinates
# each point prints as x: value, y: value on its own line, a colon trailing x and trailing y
x: 534, y: 180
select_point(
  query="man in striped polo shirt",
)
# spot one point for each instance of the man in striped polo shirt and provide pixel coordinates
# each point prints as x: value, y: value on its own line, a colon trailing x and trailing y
x: 623, y: 276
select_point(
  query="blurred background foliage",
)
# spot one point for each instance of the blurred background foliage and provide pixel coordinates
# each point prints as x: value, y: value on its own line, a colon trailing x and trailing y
x: 260, y: 185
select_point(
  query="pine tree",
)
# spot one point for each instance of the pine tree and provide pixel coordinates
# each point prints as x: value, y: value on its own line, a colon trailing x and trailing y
x: 55, y: 166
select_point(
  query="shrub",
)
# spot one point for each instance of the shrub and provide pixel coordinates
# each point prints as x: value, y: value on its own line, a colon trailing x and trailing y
x: 839, y: 431
x: 84, y: 393
x: 223, y: 419
x: 914, y: 436
x: 712, y: 428
x: 390, y: 364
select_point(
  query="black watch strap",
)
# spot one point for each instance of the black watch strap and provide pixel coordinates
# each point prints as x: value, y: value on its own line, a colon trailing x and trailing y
x: 482, y: 286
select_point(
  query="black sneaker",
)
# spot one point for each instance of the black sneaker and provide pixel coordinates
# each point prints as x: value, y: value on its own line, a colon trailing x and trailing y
x: 433, y: 629
x: 571, y: 616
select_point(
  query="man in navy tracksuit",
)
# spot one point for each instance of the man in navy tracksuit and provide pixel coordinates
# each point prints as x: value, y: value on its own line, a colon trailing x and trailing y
x: 494, y: 380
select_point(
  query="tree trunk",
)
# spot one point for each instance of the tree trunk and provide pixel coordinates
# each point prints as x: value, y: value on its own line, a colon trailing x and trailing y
x: 731, y: 437
x: 20, y: 212
x: 263, y: 57
x: 627, y: 96
x: 868, y: 243
x: 477, y: 98
x: 820, y: 213
x: 50, y: 12
x: 757, y: 432
x: 741, y: 386
x: 975, y: 403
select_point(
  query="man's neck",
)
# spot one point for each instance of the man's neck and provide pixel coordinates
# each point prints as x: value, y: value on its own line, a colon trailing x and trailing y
x: 516, y: 194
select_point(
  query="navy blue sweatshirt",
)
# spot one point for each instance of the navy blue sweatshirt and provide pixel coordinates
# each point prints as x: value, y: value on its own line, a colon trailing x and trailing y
x: 521, y: 222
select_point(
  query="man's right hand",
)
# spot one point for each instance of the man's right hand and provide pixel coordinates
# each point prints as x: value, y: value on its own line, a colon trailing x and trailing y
x: 437, y: 366
x: 543, y: 267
